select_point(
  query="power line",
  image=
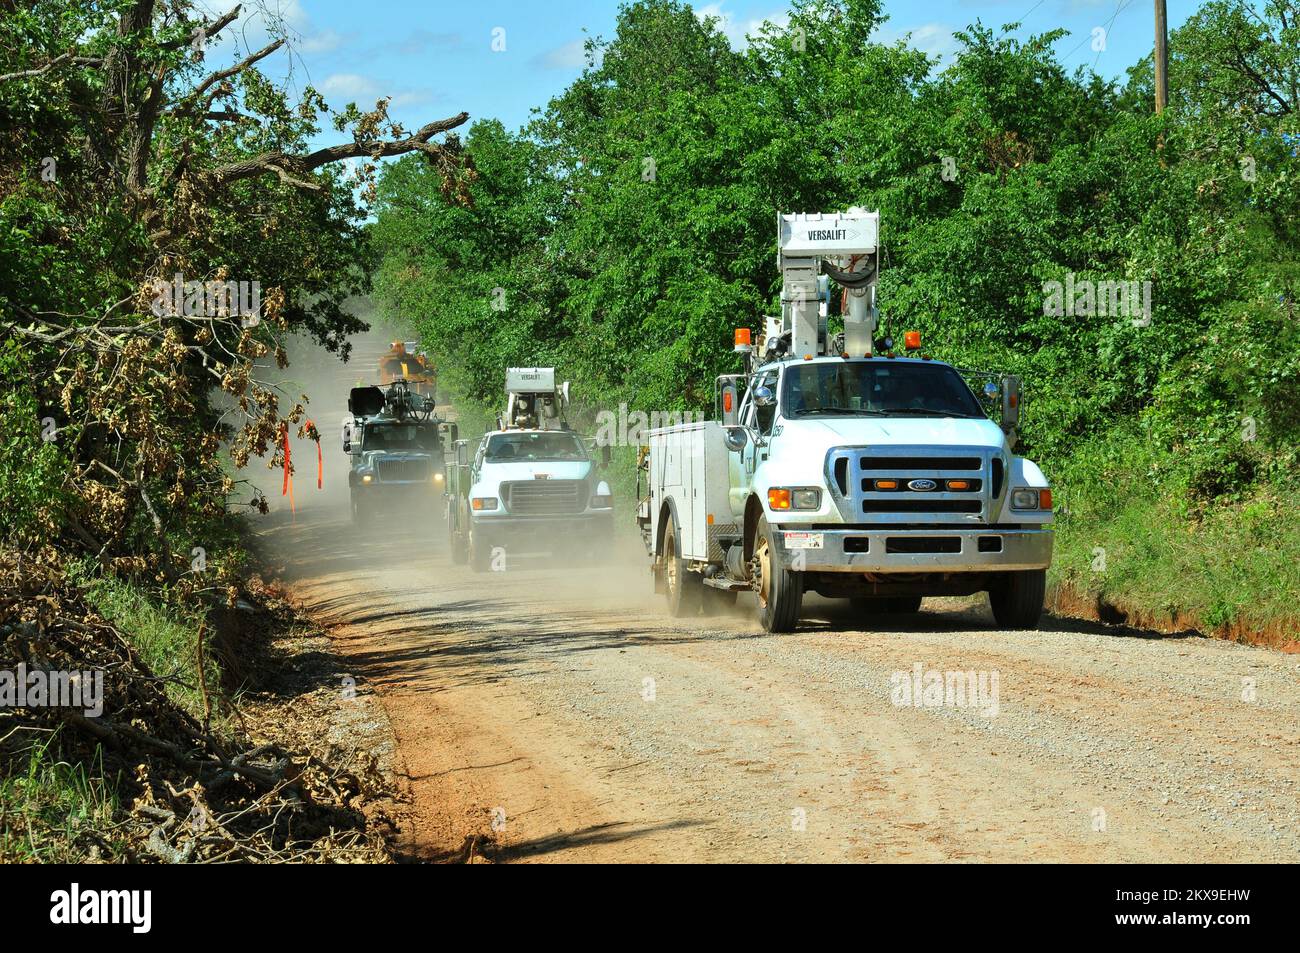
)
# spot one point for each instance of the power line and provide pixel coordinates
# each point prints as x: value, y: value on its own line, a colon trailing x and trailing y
x: 1122, y: 6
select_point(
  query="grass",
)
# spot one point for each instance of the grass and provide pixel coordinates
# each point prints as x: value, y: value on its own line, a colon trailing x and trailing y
x: 47, y: 808
x: 164, y: 637
x: 1126, y: 530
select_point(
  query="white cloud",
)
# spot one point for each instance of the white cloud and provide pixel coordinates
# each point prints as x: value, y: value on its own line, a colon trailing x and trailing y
x: 570, y: 56
x: 258, y: 24
x: 932, y: 39
x: 340, y: 88
x: 349, y: 86
x: 737, y: 31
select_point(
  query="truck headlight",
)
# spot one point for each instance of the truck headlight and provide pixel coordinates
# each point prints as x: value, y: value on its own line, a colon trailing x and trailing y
x: 367, y: 478
x: 1027, y: 499
x: 437, y: 477
x: 483, y: 502
x: 794, y: 498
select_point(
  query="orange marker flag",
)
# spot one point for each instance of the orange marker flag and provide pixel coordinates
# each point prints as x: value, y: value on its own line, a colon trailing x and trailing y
x: 314, y: 434
x: 287, y: 488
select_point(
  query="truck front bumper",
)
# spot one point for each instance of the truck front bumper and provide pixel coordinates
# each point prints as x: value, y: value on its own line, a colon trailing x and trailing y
x: 550, y: 533
x: 883, y: 550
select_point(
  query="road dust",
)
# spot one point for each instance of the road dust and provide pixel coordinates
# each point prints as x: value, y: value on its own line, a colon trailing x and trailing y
x: 554, y: 712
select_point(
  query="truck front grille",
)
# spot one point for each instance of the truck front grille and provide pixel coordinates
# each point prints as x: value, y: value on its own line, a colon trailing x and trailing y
x: 545, y: 497
x: 402, y: 471
x: 922, y: 506
x: 858, y: 472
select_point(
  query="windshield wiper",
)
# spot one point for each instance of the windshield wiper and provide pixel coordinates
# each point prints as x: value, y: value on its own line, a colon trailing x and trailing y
x: 928, y: 412
x: 813, y: 411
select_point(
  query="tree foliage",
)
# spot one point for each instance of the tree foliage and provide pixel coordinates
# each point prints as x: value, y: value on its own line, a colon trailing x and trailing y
x: 630, y: 226
x: 128, y: 157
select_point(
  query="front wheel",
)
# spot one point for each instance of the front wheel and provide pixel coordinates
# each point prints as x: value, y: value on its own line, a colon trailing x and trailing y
x: 459, y: 545
x: 480, y: 555
x: 1017, y: 598
x: 780, y: 591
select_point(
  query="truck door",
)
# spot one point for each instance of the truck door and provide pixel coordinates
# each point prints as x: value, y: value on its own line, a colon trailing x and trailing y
x: 760, y: 419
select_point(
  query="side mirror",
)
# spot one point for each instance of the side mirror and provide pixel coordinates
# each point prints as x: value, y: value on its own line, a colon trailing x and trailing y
x: 764, y: 397
x: 462, y: 455
x: 604, y: 455
x: 1010, y: 403
x: 735, y: 438
x: 454, y: 432
x: 347, y: 446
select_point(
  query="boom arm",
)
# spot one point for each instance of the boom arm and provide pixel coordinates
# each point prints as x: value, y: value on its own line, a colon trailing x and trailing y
x: 846, y: 244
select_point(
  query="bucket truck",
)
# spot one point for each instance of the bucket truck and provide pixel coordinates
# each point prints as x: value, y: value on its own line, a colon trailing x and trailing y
x: 532, y: 487
x: 839, y: 466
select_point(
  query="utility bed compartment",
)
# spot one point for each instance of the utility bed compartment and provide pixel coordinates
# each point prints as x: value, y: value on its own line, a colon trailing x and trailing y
x: 689, y: 469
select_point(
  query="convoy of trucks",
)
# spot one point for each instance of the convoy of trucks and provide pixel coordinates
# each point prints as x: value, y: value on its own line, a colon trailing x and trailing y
x: 838, y: 464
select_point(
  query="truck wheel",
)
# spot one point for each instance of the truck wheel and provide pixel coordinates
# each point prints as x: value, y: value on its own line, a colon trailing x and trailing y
x: 682, y: 586
x: 459, y: 545
x: 1017, y: 598
x: 780, y: 591
x: 898, y: 604
x: 358, y: 513
x: 480, y: 556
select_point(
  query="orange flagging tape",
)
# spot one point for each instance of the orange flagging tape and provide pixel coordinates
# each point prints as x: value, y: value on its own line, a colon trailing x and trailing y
x: 320, y: 458
x: 287, y: 489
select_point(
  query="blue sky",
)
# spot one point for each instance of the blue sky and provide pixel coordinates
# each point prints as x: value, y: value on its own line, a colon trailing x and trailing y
x: 436, y: 58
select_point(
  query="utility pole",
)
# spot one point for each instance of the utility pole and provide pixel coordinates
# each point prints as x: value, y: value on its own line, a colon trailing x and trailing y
x: 1162, y: 57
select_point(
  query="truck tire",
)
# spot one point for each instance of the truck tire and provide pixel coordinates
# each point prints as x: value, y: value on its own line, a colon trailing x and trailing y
x: 358, y: 512
x: 1017, y: 598
x: 780, y: 591
x: 458, y: 544
x: 480, y: 556
x: 895, y: 604
x: 682, y: 587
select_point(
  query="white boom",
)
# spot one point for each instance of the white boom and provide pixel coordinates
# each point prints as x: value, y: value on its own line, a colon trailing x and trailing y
x: 846, y: 244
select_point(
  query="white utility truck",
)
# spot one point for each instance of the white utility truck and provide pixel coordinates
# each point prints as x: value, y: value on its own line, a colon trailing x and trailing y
x: 532, y: 487
x: 839, y: 467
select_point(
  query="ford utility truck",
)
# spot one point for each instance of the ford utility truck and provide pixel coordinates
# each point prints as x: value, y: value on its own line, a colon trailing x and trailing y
x: 532, y: 487
x: 837, y: 465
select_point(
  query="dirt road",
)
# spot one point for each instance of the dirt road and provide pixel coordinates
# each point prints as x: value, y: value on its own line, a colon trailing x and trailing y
x: 561, y: 713
x: 563, y: 716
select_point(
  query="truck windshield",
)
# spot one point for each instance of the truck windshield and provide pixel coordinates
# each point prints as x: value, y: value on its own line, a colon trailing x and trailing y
x: 878, y: 388
x: 412, y: 438
x: 534, y: 445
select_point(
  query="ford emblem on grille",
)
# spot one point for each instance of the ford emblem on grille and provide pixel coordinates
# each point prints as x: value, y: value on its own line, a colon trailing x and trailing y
x: 923, y: 486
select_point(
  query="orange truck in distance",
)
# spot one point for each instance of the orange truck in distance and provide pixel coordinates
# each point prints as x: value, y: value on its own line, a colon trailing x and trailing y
x: 404, y: 361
